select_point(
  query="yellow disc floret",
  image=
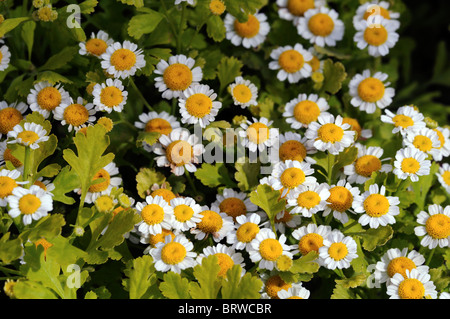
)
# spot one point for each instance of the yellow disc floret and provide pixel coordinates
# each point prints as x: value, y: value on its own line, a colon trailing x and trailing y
x: 274, y: 284
x: 233, y: 207
x: 152, y: 214
x: 247, y: 29
x: 242, y: 93
x: 308, y: 199
x: 199, y: 105
x: 225, y: 262
x: 96, y: 46
x: 270, y: 249
x: 306, y: 111
x: 183, y: 213
x: 410, y: 165
x: 292, y: 150
x: 211, y: 222
x: 123, y: 59
x: 29, y: 204
x: 177, y: 77
x: 173, y: 253
x: 158, y: 125
x: 258, y: 133
x: 247, y: 232
x: 423, y: 143
x: 76, y: 114
x: 438, y: 226
x: 179, y: 153
x: 321, y: 24
x: 9, y: 117
x: 371, y: 90
x: 375, y: 35
x: 49, y: 98
x: 338, y: 251
x: 310, y: 242
x: 367, y: 164
x: 330, y: 133
x: 299, y: 7
x: 291, y: 61
x: 340, y: 199
x: 292, y: 177
x: 376, y: 205
x: 103, y: 185
x: 399, y: 265
x: 7, y: 184
x: 411, y: 288
x: 403, y: 121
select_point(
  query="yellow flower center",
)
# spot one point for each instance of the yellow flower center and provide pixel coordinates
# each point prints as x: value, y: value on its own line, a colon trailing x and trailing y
x: 354, y: 125
x: 247, y: 29
x: 199, y: 105
x: 217, y: 7
x: 330, y: 133
x: 371, y: 90
x: 367, y: 164
x: 446, y: 177
x: 96, y: 46
x: 7, y: 184
x: 338, y: 251
x: 225, y: 262
x: 49, y: 98
x: 247, y: 232
x: 314, y: 63
x: 258, y: 133
x: 152, y: 214
x: 299, y: 7
x: 29, y: 204
x: 402, y: 121
x: 177, y: 77
x: 45, y: 14
x: 423, y: 143
x: 179, y: 153
x: 321, y: 24
x: 306, y: 112
x: 310, y: 242
x: 183, y: 213
x: 292, y: 150
x: 274, y: 284
x: 104, y: 203
x: 410, y: 165
x: 378, y: 10
x: 441, y: 138
x: 160, y: 238
x: 106, y: 122
x: 28, y: 137
x: 101, y: 186
x: 211, y: 222
x: 340, y: 199
x: 166, y: 194
x: 308, y: 199
x: 411, y: 288
x: 233, y: 207
x: 9, y: 117
x: 123, y: 59
x: 376, y: 205
x: 111, y: 96
x: 375, y: 35
x: 158, y: 125
x: 270, y: 249
x: 173, y: 253
x: 292, y: 177
x: 76, y: 114
x: 291, y: 61
x: 7, y: 156
x: 438, y: 226
x: 399, y: 265
x: 242, y: 93
x: 284, y: 263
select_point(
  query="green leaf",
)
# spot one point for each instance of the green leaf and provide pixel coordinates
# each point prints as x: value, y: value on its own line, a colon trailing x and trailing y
x: 141, y: 277
x: 247, y: 175
x: 340, y: 292
x: 374, y: 237
x: 47, y: 227
x: 209, y: 284
x: 214, y: 175
x: 352, y: 282
x: 240, y: 287
x: 60, y: 59
x: 174, y: 286
x: 347, y: 157
x: 136, y: 3
x: 27, y: 289
x: 10, y: 249
x: 10, y: 24
x: 144, y: 23
x: 440, y: 277
x: 52, y: 77
x: 306, y: 264
x: 66, y: 181
x: 146, y: 178
x: 215, y: 28
x: 241, y: 9
x: 268, y: 199
x: 228, y: 69
x: 88, y: 6
x: 148, y: 137
x: 28, y: 35
x: 334, y: 75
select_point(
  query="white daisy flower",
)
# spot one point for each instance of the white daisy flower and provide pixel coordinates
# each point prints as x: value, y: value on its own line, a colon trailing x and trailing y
x: 33, y: 203
x: 191, y: 2
x: 11, y: 115
x: 6, y: 155
x: 197, y: 105
x: 311, y: 237
x: 294, y: 293
x: 258, y: 135
x: 321, y: 26
x: 294, y: 147
x: 186, y: 213
x: 436, y: 227
x: 370, y: 91
x: 341, y: 200
x: 5, y: 57
x: 46, y: 185
x: 406, y: 119
x: 416, y: 285
x: 360, y: 133
x: 291, y: 174
x: 176, y: 75
x: 444, y: 295
x: 243, y: 92
x: 75, y: 114
x: 307, y: 200
x: 110, y: 96
x: 249, y: 34
x: 443, y: 176
x: 378, y: 37
x: 425, y: 140
x: 411, y: 162
x: 179, y: 150
x: 247, y: 227
x: 122, y: 60
x: 293, y: 10
x: 286, y: 219
x: 174, y: 255
x: 372, y: 10
x: 304, y: 110
x: 396, y: 261
x: 8, y: 182
x: 337, y: 251
x: 45, y: 98
x: 444, y: 147
x: 292, y: 63
x: 30, y: 134
x: 330, y: 134
x: 227, y: 257
x: 234, y: 203
x: 162, y: 123
x: 213, y: 223
x: 367, y: 162
x: 266, y: 249
x: 108, y: 173
x: 156, y: 214
x: 96, y: 45
x: 377, y: 209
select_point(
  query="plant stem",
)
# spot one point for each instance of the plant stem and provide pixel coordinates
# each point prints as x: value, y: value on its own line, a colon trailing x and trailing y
x: 340, y: 273
x: 180, y: 27
x: 331, y: 159
x: 349, y: 226
x: 313, y: 217
x: 9, y: 271
x: 430, y: 256
x: 171, y: 24
x: 140, y: 94
x: 26, y: 164
x: 329, y: 218
x: 191, y: 183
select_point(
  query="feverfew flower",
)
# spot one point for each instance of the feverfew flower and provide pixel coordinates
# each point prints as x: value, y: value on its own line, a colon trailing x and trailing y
x: 293, y: 10
x: 304, y: 110
x: 243, y: 92
x: 45, y: 98
x: 249, y: 34
x: 337, y: 251
x: 292, y: 63
x: 30, y: 134
x: 411, y: 162
x: 122, y: 60
x: 416, y: 285
x: 96, y: 45
x: 435, y: 227
x: 406, y: 119
x: 377, y: 37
